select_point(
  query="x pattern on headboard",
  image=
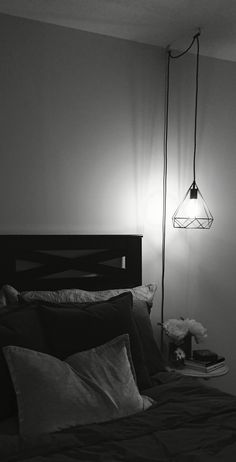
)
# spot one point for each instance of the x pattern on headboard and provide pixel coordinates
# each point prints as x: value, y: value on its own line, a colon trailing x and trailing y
x: 90, y: 262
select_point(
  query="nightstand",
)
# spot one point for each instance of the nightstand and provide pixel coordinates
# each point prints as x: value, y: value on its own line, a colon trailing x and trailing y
x: 203, y: 375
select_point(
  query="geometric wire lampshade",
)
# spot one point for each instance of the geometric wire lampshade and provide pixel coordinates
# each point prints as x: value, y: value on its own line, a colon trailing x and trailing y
x: 193, y: 212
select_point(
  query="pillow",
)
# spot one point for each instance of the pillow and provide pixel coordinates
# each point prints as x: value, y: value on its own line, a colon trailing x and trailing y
x: 8, y: 295
x: 81, y: 326
x: 145, y: 293
x: 21, y: 327
x: 142, y: 303
x: 88, y: 387
x: 152, y: 355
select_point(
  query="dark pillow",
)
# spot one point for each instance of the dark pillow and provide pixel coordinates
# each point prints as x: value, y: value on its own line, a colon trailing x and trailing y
x: 73, y: 328
x: 7, y: 395
x: 19, y: 327
x: 152, y: 355
x: 142, y: 303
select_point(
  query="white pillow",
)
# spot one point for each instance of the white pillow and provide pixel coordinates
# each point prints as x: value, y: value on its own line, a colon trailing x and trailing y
x: 96, y: 385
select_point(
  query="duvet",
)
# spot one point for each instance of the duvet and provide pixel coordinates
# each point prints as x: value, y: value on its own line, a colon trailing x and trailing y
x: 188, y: 422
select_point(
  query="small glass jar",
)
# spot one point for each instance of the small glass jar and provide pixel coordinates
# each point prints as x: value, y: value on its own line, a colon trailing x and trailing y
x: 179, y: 351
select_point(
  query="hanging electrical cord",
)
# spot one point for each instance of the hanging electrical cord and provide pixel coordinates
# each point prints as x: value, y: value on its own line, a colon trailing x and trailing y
x: 170, y: 56
x: 195, y: 38
x: 164, y: 187
x: 195, y: 114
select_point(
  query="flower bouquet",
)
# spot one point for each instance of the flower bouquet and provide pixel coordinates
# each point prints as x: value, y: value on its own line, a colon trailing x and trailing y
x: 180, y: 332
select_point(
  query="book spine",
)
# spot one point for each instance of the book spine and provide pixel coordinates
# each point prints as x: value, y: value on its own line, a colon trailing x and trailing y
x: 215, y: 367
x: 205, y: 363
x: 202, y: 368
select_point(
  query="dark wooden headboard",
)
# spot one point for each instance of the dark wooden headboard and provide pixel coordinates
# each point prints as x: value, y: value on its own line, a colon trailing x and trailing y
x: 89, y: 262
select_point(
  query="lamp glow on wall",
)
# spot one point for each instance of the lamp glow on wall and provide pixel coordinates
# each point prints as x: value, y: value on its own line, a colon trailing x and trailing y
x: 192, y: 213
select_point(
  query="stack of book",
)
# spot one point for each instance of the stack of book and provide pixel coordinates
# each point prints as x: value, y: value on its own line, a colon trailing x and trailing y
x: 205, y: 361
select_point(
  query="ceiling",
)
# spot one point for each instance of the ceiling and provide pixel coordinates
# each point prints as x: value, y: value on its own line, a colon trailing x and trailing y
x: 155, y: 22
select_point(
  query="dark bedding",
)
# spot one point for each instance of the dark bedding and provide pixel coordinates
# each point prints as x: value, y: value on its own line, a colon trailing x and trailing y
x: 189, y: 422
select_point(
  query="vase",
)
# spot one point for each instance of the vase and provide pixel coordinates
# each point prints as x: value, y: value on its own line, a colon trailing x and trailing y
x: 186, y: 346
x: 179, y: 351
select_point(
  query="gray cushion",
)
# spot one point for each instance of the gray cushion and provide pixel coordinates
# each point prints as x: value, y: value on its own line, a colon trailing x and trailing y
x: 91, y: 386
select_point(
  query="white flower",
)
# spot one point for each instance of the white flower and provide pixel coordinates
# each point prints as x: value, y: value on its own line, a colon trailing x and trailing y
x: 178, y: 329
x: 197, y: 330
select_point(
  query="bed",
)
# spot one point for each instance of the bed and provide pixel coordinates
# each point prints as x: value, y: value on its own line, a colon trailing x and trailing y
x: 82, y: 378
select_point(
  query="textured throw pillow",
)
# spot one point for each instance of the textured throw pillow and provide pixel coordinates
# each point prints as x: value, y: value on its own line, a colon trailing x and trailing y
x: 145, y: 293
x: 92, y: 386
x: 81, y: 326
x: 20, y: 327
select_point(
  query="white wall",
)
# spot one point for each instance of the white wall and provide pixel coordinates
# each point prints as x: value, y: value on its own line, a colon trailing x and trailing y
x: 80, y: 124
x: 81, y: 152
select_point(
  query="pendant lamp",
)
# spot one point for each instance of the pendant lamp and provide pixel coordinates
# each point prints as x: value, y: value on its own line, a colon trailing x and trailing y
x: 193, y: 213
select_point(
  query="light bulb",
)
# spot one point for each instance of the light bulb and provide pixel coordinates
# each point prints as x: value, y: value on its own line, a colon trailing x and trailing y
x: 193, y: 208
